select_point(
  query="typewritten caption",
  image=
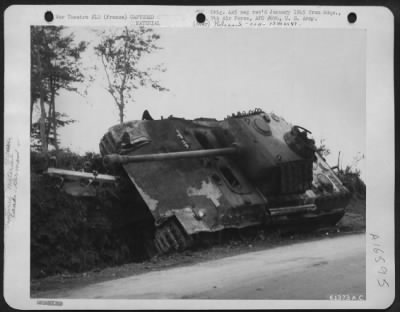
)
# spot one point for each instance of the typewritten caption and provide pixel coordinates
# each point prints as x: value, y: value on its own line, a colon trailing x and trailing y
x: 267, y: 17
x: 221, y: 17
x: 50, y: 302
x: 136, y: 19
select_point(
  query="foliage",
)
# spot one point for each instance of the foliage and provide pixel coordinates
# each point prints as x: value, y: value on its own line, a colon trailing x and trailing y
x: 322, y: 149
x: 350, y: 177
x: 59, y: 58
x: 120, y: 53
x: 61, y: 121
x: 70, y: 234
x: 54, y: 66
x: 65, y: 159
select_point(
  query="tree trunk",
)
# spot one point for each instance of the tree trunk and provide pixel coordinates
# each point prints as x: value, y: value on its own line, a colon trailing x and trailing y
x: 121, y: 108
x: 121, y: 115
x: 42, y: 110
x: 55, y: 127
x: 53, y: 117
x: 49, y: 121
x: 31, y: 115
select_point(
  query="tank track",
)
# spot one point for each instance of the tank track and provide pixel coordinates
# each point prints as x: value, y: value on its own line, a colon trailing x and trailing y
x: 170, y: 236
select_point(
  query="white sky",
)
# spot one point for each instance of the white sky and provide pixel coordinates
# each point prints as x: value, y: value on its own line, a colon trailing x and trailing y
x: 313, y: 78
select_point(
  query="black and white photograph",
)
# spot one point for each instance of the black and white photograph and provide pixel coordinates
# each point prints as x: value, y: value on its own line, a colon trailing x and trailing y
x: 198, y: 163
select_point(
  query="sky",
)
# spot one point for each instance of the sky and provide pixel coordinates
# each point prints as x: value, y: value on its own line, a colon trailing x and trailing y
x: 314, y: 78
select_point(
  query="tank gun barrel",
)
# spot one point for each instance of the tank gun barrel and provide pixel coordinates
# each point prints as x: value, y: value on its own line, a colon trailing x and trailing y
x: 124, y: 159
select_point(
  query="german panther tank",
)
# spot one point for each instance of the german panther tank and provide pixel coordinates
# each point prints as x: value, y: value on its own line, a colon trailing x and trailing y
x: 207, y: 175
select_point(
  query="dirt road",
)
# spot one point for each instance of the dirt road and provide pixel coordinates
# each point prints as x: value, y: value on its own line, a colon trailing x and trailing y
x: 310, y: 270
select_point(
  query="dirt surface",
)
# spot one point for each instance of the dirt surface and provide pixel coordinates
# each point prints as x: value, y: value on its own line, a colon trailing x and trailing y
x: 352, y: 222
x: 285, y: 272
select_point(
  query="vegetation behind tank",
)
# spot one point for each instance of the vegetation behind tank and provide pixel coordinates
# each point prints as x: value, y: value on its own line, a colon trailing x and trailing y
x: 71, y: 234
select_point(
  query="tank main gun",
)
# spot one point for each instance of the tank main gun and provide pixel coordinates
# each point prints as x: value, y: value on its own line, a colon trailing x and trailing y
x: 124, y: 159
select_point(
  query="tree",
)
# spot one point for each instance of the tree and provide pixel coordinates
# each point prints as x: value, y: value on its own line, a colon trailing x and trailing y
x: 351, y: 177
x: 38, y: 47
x: 120, y: 53
x: 61, y: 121
x: 54, y: 65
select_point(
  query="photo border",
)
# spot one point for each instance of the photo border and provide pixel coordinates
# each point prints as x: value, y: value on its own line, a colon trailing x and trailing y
x: 380, y: 89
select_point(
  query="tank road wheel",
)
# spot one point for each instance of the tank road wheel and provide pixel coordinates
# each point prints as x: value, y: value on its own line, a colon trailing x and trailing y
x: 170, y: 236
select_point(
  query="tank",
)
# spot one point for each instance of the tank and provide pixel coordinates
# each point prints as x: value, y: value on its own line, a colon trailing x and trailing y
x: 206, y: 175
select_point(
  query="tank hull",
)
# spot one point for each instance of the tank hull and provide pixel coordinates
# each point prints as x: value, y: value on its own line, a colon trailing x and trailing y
x: 269, y: 184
